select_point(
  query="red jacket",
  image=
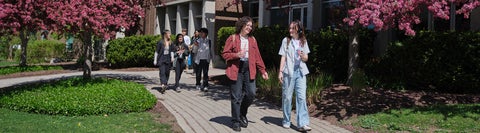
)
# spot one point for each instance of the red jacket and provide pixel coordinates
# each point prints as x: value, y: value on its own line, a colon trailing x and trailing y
x: 232, y: 47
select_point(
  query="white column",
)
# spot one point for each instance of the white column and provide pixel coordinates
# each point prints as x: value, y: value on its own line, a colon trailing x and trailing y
x: 157, y: 30
x: 261, y: 6
x: 204, y: 22
x: 191, y: 19
x: 179, y: 20
x: 475, y: 19
x: 167, y: 19
x: 452, y: 16
x: 310, y: 15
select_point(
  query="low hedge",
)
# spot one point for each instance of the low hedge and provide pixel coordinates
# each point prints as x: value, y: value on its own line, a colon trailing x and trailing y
x: 78, y: 97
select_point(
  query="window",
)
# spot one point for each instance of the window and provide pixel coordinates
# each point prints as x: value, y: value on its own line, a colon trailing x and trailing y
x: 333, y: 13
x: 283, y: 13
x: 299, y: 14
x: 253, y: 11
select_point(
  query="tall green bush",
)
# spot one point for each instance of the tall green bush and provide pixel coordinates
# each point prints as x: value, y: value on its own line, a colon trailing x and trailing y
x: 222, y: 35
x: 329, y: 48
x: 134, y: 51
x: 434, y: 61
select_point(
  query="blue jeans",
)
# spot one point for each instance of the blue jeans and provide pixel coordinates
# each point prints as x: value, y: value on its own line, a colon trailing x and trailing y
x: 298, y: 83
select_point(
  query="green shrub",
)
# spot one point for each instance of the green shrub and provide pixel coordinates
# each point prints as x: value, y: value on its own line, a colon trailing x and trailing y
x: 328, y: 48
x: 269, y: 40
x: 17, y: 69
x: 134, y: 51
x: 271, y: 89
x: 316, y: 83
x: 78, y: 97
x: 433, y: 61
x: 41, y: 51
x: 222, y: 35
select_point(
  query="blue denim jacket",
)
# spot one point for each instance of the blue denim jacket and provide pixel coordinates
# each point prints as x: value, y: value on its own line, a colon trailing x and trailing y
x: 290, y: 54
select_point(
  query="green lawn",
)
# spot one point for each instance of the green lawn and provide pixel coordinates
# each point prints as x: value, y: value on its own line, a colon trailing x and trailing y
x: 441, y: 118
x: 79, y: 105
x: 14, y: 121
x: 8, y: 63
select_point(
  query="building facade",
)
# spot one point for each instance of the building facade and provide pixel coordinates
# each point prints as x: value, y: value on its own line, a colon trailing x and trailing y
x: 175, y: 15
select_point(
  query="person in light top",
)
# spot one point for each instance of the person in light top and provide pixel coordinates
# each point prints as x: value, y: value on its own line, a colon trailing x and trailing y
x: 293, y: 75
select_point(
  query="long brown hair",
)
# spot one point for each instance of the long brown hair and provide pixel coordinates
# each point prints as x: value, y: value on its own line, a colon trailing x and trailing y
x: 300, y: 31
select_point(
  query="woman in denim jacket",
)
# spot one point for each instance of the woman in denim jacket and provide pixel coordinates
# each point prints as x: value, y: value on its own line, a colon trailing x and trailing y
x: 293, y: 75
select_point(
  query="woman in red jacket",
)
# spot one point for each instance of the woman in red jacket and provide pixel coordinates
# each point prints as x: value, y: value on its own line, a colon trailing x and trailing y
x: 243, y: 59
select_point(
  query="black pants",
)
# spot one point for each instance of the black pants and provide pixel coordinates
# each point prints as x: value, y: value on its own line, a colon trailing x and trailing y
x: 242, y: 92
x: 179, y: 67
x: 164, y: 72
x: 202, y: 67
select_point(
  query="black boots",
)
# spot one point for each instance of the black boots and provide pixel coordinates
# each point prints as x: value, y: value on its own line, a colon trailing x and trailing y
x: 236, y: 127
x: 243, y: 121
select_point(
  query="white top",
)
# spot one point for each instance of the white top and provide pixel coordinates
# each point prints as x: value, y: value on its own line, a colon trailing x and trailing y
x: 291, y: 55
x: 244, y: 46
x: 296, y: 46
x: 186, y: 39
x: 203, y: 52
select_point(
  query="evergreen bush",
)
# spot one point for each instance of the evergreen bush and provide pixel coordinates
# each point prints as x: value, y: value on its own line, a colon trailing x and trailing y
x: 134, y: 51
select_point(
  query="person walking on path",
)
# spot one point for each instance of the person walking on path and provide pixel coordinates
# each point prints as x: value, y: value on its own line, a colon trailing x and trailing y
x: 202, y: 59
x: 181, y: 53
x: 292, y: 75
x: 243, y: 59
x: 163, y: 58
x: 194, y: 48
x: 187, y: 41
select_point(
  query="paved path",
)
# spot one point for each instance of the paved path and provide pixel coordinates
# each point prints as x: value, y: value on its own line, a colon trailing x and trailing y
x: 196, y: 111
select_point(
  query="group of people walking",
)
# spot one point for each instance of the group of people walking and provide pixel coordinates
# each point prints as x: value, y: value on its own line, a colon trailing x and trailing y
x: 179, y: 53
x: 244, y: 60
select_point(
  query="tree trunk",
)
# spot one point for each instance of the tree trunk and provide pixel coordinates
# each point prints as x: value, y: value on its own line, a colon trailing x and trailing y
x: 87, y: 54
x: 10, y: 50
x: 352, y: 57
x: 24, y: 41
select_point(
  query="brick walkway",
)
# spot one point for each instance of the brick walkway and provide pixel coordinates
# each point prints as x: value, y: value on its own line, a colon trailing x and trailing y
x: 196, y: 111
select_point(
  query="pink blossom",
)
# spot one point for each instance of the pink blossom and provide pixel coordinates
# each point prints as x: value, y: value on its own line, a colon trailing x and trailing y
x: 384, y: 14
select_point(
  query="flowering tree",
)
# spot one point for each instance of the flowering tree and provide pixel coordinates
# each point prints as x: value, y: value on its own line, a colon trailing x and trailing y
x: 401, y: 14
x: 89, y: 18
x: 23, y: 17
x: 385, y: 14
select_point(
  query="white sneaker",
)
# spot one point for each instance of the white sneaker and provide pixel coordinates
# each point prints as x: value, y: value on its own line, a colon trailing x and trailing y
x: 198, y: 87
x: 286, y: 126
x: 205, y: 88
x: 305, y: 128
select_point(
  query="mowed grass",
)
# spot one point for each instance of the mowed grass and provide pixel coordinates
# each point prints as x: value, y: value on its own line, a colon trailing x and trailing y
x: 17, y: 69
x: 8, y: 63
x: 439, y: 118
x: 14, y: 121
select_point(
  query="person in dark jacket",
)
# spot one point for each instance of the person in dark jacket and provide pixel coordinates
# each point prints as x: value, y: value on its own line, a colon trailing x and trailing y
x: 181, y: 54
x: 164, y: 58
x: 243, y: 59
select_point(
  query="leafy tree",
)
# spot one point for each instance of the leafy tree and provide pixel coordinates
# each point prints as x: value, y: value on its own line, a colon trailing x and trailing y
x: 23, y: 17
x: 90, y: 18
x: 401, y: 14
